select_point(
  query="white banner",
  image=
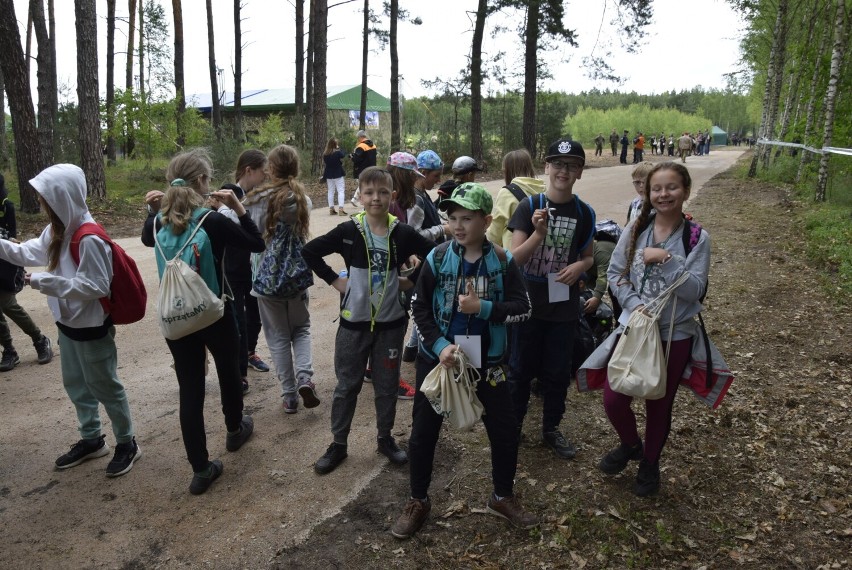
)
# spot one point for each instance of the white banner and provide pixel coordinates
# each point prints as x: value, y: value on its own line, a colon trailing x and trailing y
x: 828, y: 149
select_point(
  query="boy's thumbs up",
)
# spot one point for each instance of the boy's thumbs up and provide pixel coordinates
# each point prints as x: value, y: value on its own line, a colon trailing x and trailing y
x: 469, y: 300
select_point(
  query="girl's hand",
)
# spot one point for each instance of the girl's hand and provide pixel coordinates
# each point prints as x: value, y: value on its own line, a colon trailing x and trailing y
x: 591, y: 305
x: 448, y: 356
x: 228, y: 198
x: 469, y: 302
x: 27, y: 277
x: 655, y: 255
x: 153, y: 199
x: 340, y: 284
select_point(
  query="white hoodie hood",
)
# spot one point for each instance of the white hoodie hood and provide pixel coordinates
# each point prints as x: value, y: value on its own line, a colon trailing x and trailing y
x: 63, y: 187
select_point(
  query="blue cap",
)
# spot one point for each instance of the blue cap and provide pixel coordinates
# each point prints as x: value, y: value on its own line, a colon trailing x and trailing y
x: 429, y: 160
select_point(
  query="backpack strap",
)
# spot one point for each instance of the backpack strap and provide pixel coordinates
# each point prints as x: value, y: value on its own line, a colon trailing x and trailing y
x: 591, y: 213
x: 516, y: 191
x: 86, y: 229
x: 189, y: 239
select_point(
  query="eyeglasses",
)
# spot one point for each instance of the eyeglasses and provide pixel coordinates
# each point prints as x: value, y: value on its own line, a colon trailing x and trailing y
x: 562, y: 165
x: 638, y: 182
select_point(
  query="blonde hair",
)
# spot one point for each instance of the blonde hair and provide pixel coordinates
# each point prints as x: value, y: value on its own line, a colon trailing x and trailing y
x: 518, y: 163
x: 642, y: 170
x: 183, y: 195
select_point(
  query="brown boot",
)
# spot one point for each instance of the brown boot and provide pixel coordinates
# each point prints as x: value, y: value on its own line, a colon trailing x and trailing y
x: 331, y: 212
x: 510, y: 509
x: 412, y: 518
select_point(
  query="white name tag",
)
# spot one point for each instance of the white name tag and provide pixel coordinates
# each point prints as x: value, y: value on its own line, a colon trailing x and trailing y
x: 557, y: 291
x: 471, y: 345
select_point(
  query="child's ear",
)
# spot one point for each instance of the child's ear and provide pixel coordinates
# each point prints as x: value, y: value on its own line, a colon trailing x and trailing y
x: 488, y: 219
x: 393, y: 194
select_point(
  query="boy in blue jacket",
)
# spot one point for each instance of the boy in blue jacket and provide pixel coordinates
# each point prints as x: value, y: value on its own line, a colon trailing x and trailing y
x: 375, y: 246
x: 468, y: 290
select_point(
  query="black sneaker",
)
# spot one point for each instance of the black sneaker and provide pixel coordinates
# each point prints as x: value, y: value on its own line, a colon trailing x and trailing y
x: 617, y: 459
x: 44, y: 350
x: 125, y: 456
x: 234, y: 441
x: 388, y: 447
x: 333, y: 456
x: 9, y: 360
x: 201, y: 481
x: 647, y: 479
x: 83, y: 450
x: 557, y: 442
x: 409, y: 354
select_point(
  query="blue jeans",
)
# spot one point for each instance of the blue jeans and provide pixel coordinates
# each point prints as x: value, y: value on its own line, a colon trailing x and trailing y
x: 89, y: 376
x: 541, y: 349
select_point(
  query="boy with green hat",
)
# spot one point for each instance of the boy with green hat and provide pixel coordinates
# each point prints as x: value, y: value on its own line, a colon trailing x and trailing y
x: 468, y: 291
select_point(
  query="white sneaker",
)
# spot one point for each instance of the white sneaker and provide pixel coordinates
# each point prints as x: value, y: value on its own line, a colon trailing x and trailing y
x: 353, y: 202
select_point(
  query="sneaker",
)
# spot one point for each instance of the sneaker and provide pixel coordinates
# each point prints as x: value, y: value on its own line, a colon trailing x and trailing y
x: 409, y: 354
x: 412, y: 518
x: 388, y: 447
x: 406, y: 391
x: 291, y: 404
x: 44, y: 350
x: 125, y: 456
x: 308, y: 392
x: 245, y: 386
x: 368, y: 375
x: 617, y: 459
x: 83, y: 450
x: 341, y: 211
x: 333, y: 456
x: 647, y: 479
x: 557, y: 442
x: 9, y: 360
x: 202, y: 480
x: 511, y: 509
x: 353, y: 202
x: 255, y: 362
x: 234, y: 441
x: 332, y: 212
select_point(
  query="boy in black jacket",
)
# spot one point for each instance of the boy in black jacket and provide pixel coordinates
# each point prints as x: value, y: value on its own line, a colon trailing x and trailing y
x: 374, y: 246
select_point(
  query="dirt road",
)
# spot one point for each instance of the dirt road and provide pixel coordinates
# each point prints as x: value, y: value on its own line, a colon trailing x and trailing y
x: 268, y: 496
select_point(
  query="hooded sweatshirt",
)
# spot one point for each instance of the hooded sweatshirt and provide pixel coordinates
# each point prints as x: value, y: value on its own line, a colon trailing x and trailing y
x: 73, y: 291
x: 504, y: 207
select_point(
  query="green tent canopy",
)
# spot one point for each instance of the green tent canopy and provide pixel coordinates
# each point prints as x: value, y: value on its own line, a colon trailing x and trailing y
x: 718, y: 136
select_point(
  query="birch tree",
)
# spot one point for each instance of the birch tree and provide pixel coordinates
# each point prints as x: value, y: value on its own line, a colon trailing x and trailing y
x: 838, y: 52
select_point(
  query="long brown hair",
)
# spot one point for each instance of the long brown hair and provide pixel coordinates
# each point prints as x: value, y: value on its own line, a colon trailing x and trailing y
x: 184, y: 173
x: 403, y: 185
x: 288, y: 193
x: 251, y: 158
x: 645, y: 212
x: 329, y: 148
x: 518, y: 163
x: 58, y: 230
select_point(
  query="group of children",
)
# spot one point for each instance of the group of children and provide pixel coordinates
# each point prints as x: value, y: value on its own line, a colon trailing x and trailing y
x: 500, y: 278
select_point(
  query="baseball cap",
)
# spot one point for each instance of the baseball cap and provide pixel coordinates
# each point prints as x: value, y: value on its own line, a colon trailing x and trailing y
x: 404, y: 160
x: 360, y: 134
x: 240, y: 193
x: 429, y: 160
x: 565, y: 148
x: 470, y: 196
x: 465, y: 164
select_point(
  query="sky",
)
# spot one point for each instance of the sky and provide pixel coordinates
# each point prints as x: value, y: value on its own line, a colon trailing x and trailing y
x: 689, y: 43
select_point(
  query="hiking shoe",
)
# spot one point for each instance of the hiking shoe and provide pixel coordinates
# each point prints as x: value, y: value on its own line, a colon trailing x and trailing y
x: 406, y: 391
x: 388, y: 447
x: 245, y: 386
x: 557, y: 442
x: 308, y: 392
x: 125, y: 456
x: 202, y: 480
x: 412, y: 518
x: 409, y: 354
x: 291, y: 404
x: 44, y: 350
x: 333, y: 456
x: 83, y: 450
x: 368, y: 375
x: 647, y: 479
x: 255, y: 362
x: 511, y: 509
x: 341, y: 211
x: 332, y: 212
x: 234, y: 441
x: 617, y: 459
x: 9, y: 360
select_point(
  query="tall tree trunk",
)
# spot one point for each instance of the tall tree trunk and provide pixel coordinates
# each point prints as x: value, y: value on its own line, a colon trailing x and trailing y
x: 812, y: 101
x: 14, y: 67
x: 319, y: 73
x: 54, y: 90
x: 180, y: 90
x: 837, y: 55
x: 91, y: 151
x: 792, y: 92
x: 772, y: 70
x: 140, y: 53
x: 29, y: 51
x: 216, y: 103
x: 300, y: 69
x: 309, y: 79
x: 777, y: 77
x: 238, y: 73
x: 530, y: 76
x: 43, y: 74
x: 129, y: 141
x: 476, y: 81
x: 4, y: 147
x: 365, y: 50
x: 396, y: 143
x: 110, y: 82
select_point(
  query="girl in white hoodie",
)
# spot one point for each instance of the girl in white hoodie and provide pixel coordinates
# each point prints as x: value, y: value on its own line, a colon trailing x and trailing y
x: 86, y: 334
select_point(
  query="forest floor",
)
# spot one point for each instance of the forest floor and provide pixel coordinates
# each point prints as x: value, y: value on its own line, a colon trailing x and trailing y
x: 761, y: 482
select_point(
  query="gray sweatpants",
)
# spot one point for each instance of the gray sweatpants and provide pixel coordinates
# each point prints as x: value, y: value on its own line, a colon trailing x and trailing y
x: 352, y: 350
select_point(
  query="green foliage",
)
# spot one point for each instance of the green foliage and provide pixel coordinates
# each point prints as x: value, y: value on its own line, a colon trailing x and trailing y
x: 587, y: 122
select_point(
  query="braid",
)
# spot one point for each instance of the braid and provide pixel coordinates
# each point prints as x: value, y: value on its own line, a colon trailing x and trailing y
x: 638, y: 226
